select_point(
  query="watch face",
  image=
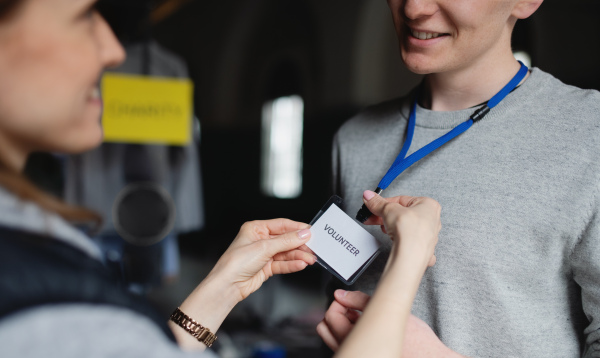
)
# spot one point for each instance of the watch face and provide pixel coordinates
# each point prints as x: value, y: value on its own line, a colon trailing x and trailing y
x: 143, y: 213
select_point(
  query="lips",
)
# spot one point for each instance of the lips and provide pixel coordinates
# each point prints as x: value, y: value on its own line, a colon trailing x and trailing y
x: 95, y: 94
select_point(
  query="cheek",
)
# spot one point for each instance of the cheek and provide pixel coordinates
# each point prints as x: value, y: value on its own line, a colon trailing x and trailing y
x: 44, y: 94
x: 56, y: 133
x: 483, y: 38
x: 482, y: 22
x: 48, y: 116
x: 72, y: 129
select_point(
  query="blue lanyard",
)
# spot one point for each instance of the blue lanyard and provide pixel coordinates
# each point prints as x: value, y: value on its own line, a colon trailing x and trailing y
x: 402, y: 162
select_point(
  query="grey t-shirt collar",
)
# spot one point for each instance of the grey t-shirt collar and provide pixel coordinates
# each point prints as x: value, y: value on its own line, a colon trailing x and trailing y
x: 448, y: 120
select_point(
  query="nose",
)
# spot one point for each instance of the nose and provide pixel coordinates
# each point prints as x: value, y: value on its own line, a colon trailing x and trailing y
x: 111, y: 52
x: 415, y: 9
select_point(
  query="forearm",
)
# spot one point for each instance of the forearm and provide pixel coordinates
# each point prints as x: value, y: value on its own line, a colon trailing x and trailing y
x: 381, y: 329
x: 209, y: 304
x: 261, y: 249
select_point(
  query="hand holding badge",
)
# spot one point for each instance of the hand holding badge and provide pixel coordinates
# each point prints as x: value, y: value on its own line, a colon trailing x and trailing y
x: 342, y: 246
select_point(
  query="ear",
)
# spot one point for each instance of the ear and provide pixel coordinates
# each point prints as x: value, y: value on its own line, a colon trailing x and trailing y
x: 525, y: 8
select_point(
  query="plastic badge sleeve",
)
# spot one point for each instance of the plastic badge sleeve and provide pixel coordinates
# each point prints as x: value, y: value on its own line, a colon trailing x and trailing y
x: 336, y: 200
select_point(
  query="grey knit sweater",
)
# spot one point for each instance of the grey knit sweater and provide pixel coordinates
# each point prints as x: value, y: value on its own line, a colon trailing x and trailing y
x: 518, y: 270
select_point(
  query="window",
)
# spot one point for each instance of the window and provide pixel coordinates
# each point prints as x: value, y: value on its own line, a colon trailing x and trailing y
x: 282, y: 126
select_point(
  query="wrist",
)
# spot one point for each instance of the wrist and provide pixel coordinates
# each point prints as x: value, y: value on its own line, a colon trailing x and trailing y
x: 208, y: 305
x: 224, y: 278
x: 410, y: 261
x: 211, y: 302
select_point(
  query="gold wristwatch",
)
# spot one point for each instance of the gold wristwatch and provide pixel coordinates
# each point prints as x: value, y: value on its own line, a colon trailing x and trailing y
x: 201, y: 333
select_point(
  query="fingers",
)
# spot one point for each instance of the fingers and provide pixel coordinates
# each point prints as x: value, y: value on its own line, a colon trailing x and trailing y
x: 374, y: 220
x: 378, y: 205
x: 297, y: 254
x: 374, y: 202
x: 285, y: 267
x: 341, y: 317
x: 337, y: 322
x: 327, y: 336
x: 404, y: 200
x: 283, y: 226
x: 306, y: 249
x: 285, y: 242
x: 353, y: 315
x: 355, y: 300
x: 337, y: 307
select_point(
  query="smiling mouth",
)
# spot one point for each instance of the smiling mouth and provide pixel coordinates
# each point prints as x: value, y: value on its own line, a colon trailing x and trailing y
x: 95, y: 94
x: 426, y: 35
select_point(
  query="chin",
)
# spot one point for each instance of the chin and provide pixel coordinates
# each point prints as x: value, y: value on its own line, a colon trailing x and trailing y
x: 423, y: 65
x: 416, y: 63
x: 84, y: 142
x: 418, y: 67
x: 90, y: 136
x: 92, y: 143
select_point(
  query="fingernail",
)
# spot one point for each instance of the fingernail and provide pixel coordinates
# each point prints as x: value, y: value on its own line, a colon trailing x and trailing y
x: 368, y: 195
x: 340, y: 293
x: 303, y: 234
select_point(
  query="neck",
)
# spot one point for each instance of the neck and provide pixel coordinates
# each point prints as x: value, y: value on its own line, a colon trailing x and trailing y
x: 465, y: 88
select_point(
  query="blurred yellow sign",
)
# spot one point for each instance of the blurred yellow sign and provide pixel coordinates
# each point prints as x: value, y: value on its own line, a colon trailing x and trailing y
x: 147, y: 110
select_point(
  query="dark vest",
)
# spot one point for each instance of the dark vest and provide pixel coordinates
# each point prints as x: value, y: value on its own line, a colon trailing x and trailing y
x: 37, y: 270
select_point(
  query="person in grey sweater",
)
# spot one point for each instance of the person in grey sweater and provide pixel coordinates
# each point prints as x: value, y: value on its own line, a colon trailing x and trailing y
x: 518, y: 262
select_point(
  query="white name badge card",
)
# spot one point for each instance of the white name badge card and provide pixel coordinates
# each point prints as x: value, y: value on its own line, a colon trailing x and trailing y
x: 341, y: 244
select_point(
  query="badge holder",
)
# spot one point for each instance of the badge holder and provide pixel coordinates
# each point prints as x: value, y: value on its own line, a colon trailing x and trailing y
x: 336, y: 200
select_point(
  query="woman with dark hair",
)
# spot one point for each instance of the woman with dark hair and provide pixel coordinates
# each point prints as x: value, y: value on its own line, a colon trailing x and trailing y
x: 57, y: 298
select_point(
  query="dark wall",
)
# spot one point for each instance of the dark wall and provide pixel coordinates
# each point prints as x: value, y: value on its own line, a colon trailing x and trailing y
x: 240, y: 54
x: 567, y: 41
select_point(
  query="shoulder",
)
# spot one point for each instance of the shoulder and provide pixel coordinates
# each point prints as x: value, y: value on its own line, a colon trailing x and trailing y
x: 559, y: 114
x: 376, y: 118
x: 77, y: 330
x: 558, y: 98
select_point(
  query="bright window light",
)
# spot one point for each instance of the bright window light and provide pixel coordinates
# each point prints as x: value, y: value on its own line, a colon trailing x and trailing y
x: 523, y: 57
x: 282, y: 125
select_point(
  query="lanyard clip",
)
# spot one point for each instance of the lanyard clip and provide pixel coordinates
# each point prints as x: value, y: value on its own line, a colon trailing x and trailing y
x: 364, y: 213
x: 480, y: 113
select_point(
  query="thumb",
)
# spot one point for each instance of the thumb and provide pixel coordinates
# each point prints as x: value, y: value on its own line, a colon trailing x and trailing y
x: 374, y: 202
x: 286, y: 242
x: 355, y: 300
